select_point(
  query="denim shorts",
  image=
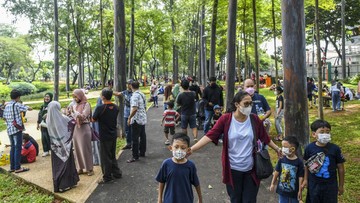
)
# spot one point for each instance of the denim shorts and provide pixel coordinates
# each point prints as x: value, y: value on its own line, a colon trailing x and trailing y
x: 170, y: 129
x: 185, y: 120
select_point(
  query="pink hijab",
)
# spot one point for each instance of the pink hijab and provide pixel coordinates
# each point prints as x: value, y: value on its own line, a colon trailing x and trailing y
x: 81, y: 96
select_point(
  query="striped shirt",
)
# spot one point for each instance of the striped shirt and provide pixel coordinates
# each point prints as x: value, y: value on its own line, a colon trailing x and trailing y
x: 9, y: 116
x: 169, y: 117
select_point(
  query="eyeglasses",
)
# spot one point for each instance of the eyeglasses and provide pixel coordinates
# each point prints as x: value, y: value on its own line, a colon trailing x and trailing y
x: 246, y: 104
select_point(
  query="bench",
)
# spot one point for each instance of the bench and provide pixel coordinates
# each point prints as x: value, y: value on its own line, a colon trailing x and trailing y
x: 327, y: 100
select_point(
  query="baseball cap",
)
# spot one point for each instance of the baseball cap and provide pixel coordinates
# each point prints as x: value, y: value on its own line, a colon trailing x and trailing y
x: 129, y: 81
x: 217, y: 107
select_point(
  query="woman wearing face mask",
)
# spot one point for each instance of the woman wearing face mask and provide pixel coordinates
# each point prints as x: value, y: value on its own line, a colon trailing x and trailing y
x: 238, y: 151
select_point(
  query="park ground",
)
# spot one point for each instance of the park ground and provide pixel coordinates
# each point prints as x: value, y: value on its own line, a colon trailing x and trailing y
x: 138, y: 184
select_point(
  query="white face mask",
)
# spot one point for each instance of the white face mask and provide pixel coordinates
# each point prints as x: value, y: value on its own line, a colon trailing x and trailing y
x: 275, y: 92
x: 246, y: 110
x: 286, y: 151
x: 324, y: 138
x: 179, y: 154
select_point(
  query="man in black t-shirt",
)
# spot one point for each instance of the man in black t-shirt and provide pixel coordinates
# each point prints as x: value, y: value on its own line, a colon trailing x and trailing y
x: 186, y: 100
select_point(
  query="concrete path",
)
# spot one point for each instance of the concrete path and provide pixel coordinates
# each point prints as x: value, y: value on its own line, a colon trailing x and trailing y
x: 138, y: 184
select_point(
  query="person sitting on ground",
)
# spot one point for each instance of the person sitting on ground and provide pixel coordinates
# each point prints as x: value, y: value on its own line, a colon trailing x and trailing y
x: 28, y: 151
x: 170, y: 116
x: 33, y: 141
x: 178, y: 174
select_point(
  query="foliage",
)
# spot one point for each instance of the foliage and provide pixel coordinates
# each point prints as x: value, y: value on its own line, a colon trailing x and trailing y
x: 24, y: 87
x: 42, y: 86
x: 4, y: 90
x: 355, y: 79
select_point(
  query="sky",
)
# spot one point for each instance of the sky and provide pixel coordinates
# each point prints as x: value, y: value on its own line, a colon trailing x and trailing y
x: 22, y: 24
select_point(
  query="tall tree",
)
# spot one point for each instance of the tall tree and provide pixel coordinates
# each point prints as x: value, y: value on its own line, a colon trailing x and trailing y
x: 274, y: 36
x: 293, y: 35
x: 213, y: 38
x: 256, y: 46
x: 56, y: 51
x: 132, y: 35
x: 119, y: 56
x: 231, y: 52
x: 175, y: 48
x: 203, y: 72
x: 319, y: 63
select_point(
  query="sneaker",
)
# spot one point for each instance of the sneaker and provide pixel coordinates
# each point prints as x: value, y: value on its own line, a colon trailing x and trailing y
x: 220, y: 141
x: 45, y: 154
x: 167, y: 142
x: 195, y: 140
x: 90, y: 173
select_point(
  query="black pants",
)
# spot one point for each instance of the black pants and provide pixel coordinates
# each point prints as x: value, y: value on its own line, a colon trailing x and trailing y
x: 109, y: 165
x: 45, y: 139
x: 138, y: 140
x: 245, y: 189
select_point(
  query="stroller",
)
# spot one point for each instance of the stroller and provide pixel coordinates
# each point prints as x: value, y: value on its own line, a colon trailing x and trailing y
x: 200, y: 116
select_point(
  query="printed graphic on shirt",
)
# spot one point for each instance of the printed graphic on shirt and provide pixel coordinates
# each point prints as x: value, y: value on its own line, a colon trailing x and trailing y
x: 287, y: 180
x: 324, y: 170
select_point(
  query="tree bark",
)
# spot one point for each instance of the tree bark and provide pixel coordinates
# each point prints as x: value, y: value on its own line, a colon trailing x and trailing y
x: 175, y: 52
x: 132, y: 47
x: 274, y: 36
x: 68, y: 65
x: 231, y: 52
x: 213, y: 39
x: 203, y: 45
x: 56, y: 52
x: 256, y: 47
x: 319, y: 63
x: 295, y: 91
x: 119, y: 58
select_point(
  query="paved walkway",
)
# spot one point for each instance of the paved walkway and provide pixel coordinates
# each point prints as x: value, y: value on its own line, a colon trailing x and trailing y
x: 138, y: 184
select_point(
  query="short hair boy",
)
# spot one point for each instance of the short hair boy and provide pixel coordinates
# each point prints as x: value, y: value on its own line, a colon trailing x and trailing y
x: 183, y: 173
x: 323, y: 163
x: 170, y: 117
x: 28, y: 151
x: 290, y: 172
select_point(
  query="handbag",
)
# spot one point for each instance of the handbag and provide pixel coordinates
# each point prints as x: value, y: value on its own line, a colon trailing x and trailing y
x: 15, y: 124
x: 263, y: 165
x: 43, y: 124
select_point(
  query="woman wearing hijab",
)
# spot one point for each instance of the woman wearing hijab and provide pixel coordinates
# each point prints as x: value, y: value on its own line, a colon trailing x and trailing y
x: 81, y: 111
x: 60, y: 129
x: 41, y: 124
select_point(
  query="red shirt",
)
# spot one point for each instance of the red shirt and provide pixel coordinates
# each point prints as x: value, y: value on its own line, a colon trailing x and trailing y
x: 170, y: 116
x: 28, y: 150
x: 222, y: 127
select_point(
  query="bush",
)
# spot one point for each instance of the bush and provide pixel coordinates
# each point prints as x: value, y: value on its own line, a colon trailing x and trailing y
x: 62, y: 87
x: 4, y: 90
x: 42, y: 86
x: 355, y: 79
x: 24, y: 87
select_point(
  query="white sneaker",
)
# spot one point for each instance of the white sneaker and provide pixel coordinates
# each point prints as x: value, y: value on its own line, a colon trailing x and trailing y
x: 220, y: 141
x: 167, y: 142
x: 45, y: 154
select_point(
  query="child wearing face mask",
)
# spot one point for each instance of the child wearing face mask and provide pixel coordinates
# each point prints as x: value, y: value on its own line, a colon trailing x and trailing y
x: 324, y: 166
x: 290, y: 172
x: 178, y: 174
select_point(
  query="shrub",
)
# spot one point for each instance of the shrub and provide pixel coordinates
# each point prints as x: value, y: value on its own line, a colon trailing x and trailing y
x: 62, y: 87
x: 24, y: 87
x: 4, y: 90
x: 355, y: 79
x: 42, y: 86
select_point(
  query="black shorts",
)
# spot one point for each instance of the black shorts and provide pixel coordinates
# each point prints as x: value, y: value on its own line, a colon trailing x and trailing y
x: 169, y: 128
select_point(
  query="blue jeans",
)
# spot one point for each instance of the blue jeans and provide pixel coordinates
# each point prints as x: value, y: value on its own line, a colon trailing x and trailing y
x: 278, y: 123
x: 127, y: 132
x: 335, y: 99
x: 15, y: 151
x: 208, y: 116
x: 283, y: 199
x: 155, y: 100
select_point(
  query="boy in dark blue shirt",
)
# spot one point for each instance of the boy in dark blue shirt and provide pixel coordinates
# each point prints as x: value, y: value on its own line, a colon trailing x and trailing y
x: 178, y: 173
x: 323, y: 163
x: 290, y: 171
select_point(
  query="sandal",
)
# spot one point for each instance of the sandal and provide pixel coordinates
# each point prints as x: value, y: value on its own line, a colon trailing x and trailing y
x: 10, y: 170
x: 103, y: 181
x: 22, y: 170
x: 131, y: 160
x: 90, y: 173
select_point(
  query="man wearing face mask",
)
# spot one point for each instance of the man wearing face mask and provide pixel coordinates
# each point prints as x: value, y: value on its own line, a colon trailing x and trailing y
x: 260, y: 105
x: 324, y: 164
x: 213, y: 95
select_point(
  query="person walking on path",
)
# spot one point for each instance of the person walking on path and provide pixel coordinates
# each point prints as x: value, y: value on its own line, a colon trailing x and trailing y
x: 154, y: 93
x: 127, y: 97
x: 186, y: 100
x: 137, y: 120
x: 15, y: 126
x: 213, y: 95
x: 80, y: 111
x: 170, y: 117
x: 60, y: 128
x: 238, y: 126
x: 260, y: 106
x: 178, y: 174
x: 41, y: 124
x: 106, y: 115
x: 167, y: 95
x: 279, y: 112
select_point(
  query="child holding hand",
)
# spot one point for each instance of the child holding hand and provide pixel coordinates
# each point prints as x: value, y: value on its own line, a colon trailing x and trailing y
x: 290, y: 172
x: 178, y: 174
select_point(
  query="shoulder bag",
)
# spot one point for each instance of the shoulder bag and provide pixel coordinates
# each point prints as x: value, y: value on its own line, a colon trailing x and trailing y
x: 15, y: 124
x: 263, y: 166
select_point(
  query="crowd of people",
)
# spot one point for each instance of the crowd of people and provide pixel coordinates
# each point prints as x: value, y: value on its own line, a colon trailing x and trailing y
x: 67, y: 138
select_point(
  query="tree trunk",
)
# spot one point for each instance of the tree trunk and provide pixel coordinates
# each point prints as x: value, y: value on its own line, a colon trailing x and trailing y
x: 293, y: 35
x: 213, y: 39
x: 246, y: 72
x: 231, y: 52
x: 256, y: 47
x: 132, y: 33
x: 274, y: 36
x: 175, y: 52
x: 68, y: 65
x: 343, y: 32
x: 203, y: 45
x: 56, y: 52
x: 119, y: 58
x: 102, y: 74
x: 319, y: 63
